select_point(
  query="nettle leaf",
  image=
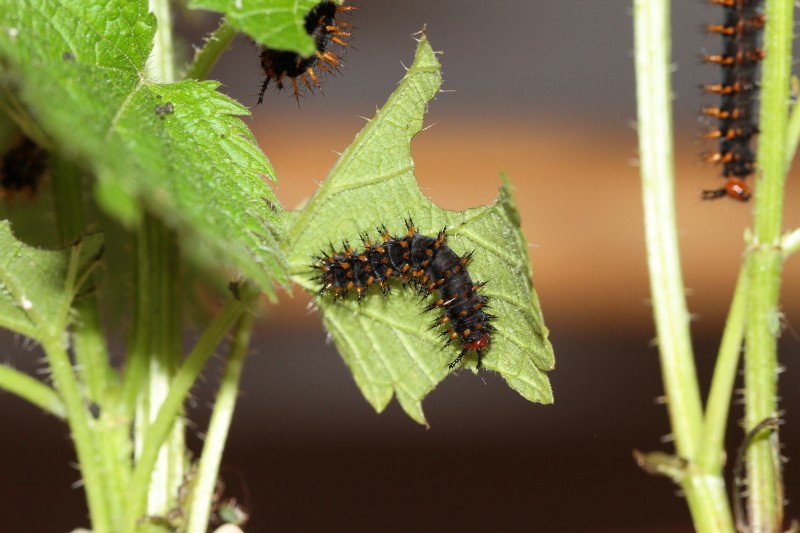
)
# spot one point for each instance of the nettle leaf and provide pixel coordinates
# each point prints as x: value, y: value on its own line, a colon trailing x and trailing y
x: 36, y: 291
x: 387, y: 342
x: 177, y: 150
x: 275, y: 23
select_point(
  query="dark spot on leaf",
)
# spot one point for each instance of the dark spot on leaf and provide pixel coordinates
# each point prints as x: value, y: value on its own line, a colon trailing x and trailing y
x: 165, y: 109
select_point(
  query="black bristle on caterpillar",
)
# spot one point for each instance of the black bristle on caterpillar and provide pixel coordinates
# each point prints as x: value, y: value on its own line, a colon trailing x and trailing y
x: 323, y: 26
x: 735, y: 114
x: 424, y: 262
x: 22, y: 167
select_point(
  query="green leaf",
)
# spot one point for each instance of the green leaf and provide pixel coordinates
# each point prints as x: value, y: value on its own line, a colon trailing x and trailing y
x: 36, y: 291
x: 386, y: 342
x: 178, y: 150
x: 278, y: 24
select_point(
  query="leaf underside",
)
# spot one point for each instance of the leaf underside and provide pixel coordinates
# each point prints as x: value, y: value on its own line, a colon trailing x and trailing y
x: 275, y: 23
x: 177, y: 150
x: 35, y: 293
x: 387, y: 342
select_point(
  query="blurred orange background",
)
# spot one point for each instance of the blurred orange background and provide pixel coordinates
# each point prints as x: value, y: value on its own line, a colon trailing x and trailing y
x: 545, y: 92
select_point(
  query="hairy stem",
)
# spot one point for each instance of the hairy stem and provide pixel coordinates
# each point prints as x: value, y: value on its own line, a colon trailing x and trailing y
x: 666, y: 283
x: 705, y: 491
x: 91, y: 353
x: 207, y: 56
x: 712, y: 451
x: 157, y: 344
x: 764, y: 265
x: 32, y: 390
x: 81, y: 427
x: 156, y: 349
x: 208, y: 468
x: 179, y: 388
x: 162, y: 58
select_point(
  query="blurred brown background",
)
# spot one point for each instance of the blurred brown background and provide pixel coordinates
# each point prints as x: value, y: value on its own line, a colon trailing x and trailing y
x: 544, y: 91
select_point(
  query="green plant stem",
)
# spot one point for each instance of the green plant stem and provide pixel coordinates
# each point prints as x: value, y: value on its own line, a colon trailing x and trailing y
x: 764, y: 264
x: 705, y: 491
x: 208, y: 468
x: 711, y: 456
x: 178, y: 390
x: 112, y: 434
x: 81, y: 432
x: 53, y: 343
x: 761, y: 370
x: 91, y: 353
x: 666, y: 284
x: 157, y: 344
x: 88, y: 345
x: 207, y: 56
x: 31, y: 389
x: 156, y: 349
x: 162, y: 58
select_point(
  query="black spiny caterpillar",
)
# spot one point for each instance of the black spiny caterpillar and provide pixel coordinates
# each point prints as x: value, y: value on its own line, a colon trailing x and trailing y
x: 424, y: 262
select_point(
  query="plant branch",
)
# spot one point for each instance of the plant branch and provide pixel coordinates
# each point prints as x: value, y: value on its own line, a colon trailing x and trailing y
x: 91, y: 353
x: 178, y: 390
x: 705, y: 491
x: 156, y: 347
x: 764, y: 265
x: 208, y: 468
x: 157, y: 336
x: 666, y: 284
x: 31, y: 389
x: 53, y: 343
x: 162, y: 57
x: 206, y: 57
x: 711, y: 456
